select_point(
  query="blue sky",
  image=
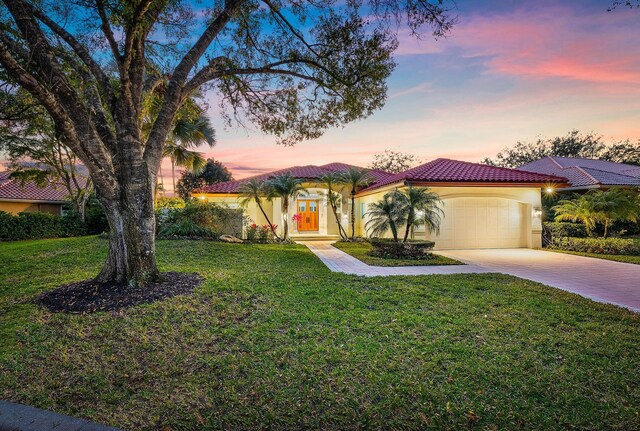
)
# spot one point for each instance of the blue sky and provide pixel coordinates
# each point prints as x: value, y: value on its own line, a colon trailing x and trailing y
x: 509, y: 71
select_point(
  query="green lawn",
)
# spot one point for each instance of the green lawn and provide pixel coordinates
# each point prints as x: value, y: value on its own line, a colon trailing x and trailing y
x: 359, y: 250
x: 616, y: 257
x: 274, y: 340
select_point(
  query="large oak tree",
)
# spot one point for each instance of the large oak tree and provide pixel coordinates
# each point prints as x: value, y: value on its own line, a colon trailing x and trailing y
x: 293, y: 68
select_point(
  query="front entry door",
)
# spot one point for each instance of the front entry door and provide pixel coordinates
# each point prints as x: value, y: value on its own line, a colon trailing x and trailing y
x: 308, y: 212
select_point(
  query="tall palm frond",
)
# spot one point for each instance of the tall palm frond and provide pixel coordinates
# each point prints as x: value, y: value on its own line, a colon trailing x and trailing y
x: 384, y: 215
x: 254, y: 190
x: 285, y: 186
x: 420, y: 206
x: 355, y: 179
x: 333, y: 180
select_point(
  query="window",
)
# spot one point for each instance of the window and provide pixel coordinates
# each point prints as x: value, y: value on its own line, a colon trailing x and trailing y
x: 312, y: 206
x: 362, y: 210
x: 302, y: 206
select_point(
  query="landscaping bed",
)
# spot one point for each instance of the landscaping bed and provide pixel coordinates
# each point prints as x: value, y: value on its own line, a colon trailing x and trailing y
x: 273, y: 339
x: 361, y: 250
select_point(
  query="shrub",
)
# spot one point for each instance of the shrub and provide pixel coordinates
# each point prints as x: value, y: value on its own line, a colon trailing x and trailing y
x: 260, y: 234
x: 185, y: 229
x: 389, y: 249
x: 621, y: 246
x: 37, y: 225
x: 199, y: 219
x: 564, y: 229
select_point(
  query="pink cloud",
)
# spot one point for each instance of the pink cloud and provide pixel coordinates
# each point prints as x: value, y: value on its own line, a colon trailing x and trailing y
x: 550, y: 42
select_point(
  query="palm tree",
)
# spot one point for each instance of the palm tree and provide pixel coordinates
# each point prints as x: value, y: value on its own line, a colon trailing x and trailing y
x: 355, y: 178
x: 386, y: 214
x: 331, y: 179
x: 613, y: 205
x: 596, y: 207
x: 188, y: 133
x: 420, y: 206
x: 578, y: 209
x: 285, y: 186
x: 254, y: 190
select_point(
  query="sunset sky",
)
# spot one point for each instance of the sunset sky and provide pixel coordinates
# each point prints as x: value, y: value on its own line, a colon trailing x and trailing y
x: 506, y: 73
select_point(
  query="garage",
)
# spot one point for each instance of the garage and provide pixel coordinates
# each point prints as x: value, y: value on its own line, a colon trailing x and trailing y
x: 471, y: 222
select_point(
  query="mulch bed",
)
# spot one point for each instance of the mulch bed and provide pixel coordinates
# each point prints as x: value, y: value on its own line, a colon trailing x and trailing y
x: 88, y: 296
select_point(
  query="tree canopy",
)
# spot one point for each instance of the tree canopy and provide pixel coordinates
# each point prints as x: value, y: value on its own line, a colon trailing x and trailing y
x: 293, y: 69
x: 213, y: 172
x: 573, y: 144
x: 393, y: 161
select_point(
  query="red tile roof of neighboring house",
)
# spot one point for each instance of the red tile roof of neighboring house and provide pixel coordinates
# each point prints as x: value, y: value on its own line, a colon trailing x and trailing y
x: 454, y: 171
x: 13, y: 189
x: 308, y: 172
x: 587, y: 173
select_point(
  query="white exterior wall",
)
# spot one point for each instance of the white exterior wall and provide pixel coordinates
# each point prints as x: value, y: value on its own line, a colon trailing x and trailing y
x: 488, y: 201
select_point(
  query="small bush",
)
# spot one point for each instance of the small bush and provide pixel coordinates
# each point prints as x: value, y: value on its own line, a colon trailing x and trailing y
x: 260, y: 234
x: 389, y: 249
x: 620, y: 246
x: 37, y: 225
x: 564, y: 229
x: 199, y: 219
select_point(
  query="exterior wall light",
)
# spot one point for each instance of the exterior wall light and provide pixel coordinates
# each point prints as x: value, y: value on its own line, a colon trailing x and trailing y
x: 549, y: 190
x: 537, y: 212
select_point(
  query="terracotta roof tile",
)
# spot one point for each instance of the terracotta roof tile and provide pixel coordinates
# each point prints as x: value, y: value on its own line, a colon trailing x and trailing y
x: 309, y: 172
x: 12, y: 189
x: 447, y: 170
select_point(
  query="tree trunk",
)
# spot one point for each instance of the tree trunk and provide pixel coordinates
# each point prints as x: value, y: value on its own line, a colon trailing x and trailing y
x: 409, y: 224
x: 173, y: 177
x: 271, y: 226
x: 394, y: 231
x: 285, y: 219
x: 606, y: 228
x: 353, y: 214
x: 132, y: 248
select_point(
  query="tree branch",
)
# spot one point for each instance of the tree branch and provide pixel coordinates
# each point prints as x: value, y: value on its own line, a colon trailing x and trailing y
x: 173, y: 95
x: 81, y: 51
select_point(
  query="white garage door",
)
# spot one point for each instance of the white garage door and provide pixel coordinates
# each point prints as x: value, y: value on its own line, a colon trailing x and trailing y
x: 482, y: 223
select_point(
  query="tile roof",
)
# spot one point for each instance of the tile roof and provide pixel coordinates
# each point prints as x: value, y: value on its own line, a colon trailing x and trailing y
x: 447, y: 170
x: 587, y: 172
x: 13, y: 189
x: 308, y: 172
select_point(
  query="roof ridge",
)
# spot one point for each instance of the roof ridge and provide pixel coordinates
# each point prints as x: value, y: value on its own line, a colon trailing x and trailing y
x: 552, y: 158
x: 608, y: 172
x: 586, y: 173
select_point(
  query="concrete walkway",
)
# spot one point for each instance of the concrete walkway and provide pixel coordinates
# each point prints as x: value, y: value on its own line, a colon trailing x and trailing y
x: 339, y: 261
x: 598, y: 279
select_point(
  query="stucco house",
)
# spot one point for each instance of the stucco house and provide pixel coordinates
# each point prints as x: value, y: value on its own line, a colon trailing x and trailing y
x: 587, y: 174
x: 29, y: 197
x: 484, y: 206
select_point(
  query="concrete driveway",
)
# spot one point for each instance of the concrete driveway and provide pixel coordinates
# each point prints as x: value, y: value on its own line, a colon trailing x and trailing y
x: 601, y: 280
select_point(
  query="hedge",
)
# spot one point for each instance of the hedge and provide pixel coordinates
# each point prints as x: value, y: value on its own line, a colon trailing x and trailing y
x: 388, y: 249
x: 37, y: 225
x: 620, y: 246
x: 563, y: 230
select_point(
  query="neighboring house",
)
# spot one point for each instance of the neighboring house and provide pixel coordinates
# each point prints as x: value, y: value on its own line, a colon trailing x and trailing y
x: 16, y: 197
x: 484, y: 206
x: 585, y: 174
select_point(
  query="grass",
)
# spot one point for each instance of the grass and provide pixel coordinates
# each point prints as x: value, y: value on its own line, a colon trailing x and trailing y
x: 359, y: 250
x: 615, y: 257
x: 273, y: 339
